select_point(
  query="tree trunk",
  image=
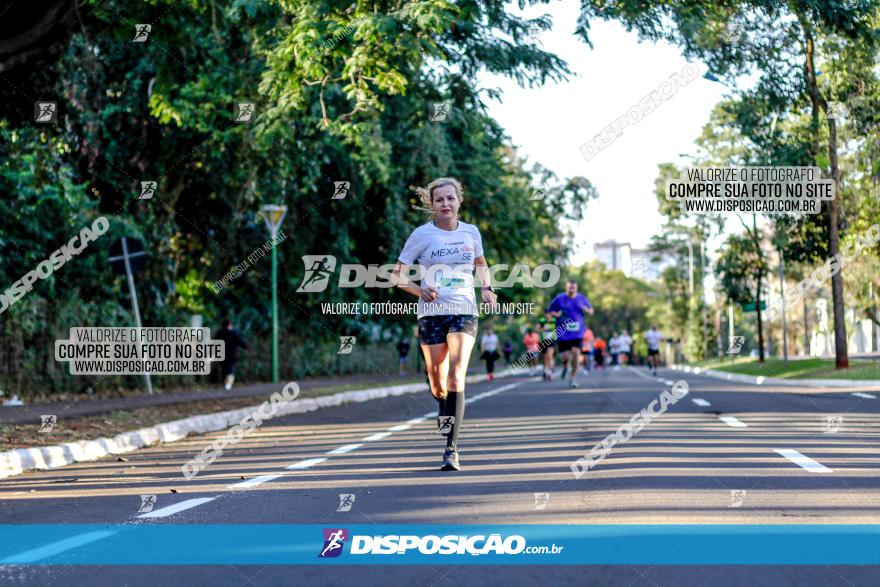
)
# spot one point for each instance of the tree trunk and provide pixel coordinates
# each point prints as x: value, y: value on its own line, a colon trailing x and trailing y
x: 841, y: 357
x: 760, y: 323
x: 818, y: 102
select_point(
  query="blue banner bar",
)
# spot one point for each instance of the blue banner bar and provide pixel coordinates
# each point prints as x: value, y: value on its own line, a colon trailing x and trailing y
x: 195, y: 544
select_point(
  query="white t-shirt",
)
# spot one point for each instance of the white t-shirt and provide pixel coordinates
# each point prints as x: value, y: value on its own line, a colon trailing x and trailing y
x: 625, y: 343
x: 653, y: 338
x: 489, y: 342
x: 447, y: 259
x: 614, y: 345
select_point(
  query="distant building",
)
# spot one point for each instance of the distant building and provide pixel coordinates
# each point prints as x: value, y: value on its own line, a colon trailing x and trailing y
x: 623, y: 257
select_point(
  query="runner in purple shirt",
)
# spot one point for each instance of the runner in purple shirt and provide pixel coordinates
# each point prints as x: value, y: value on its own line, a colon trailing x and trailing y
x: 568, y: 308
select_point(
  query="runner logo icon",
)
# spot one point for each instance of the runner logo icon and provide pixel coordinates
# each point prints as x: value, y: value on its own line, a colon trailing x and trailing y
x: 334, y: 540
x: 346, y: 345
x: 346, y: 500
x: 319, y: 268
x: 736, y: 343
x: 445, y: 424
x: 48, y: 423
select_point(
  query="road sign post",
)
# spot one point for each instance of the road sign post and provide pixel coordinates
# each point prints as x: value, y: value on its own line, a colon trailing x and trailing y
x: 274, y: 215
x: 782, y: 299
x: 750, y: 306
x: 127, y: 256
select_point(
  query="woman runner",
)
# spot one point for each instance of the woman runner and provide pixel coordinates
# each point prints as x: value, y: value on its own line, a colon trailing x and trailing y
x: 448, y: 250
x: 489, y: 351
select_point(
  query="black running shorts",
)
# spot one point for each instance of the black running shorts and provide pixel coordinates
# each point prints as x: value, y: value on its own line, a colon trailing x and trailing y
x: 567, y: 345
x: 653, y: 352
x: 433, y: 329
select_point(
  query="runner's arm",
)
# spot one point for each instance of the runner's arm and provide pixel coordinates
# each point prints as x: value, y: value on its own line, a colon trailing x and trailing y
x: 398, y: 277
x: 483, y: 278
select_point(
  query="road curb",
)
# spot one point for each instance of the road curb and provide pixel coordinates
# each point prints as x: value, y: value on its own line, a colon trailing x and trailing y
x: 761, y: 380
x: 15, y: 462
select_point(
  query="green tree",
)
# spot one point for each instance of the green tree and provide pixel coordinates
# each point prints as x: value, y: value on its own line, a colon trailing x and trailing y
x: 783, y: 41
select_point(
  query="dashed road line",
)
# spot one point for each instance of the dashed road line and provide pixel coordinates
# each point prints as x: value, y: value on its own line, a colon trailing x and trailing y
x: 803, y: 461
x: 177, y: 507
x: 255, y: 481
x: 864, y: 395
x: 305, y: 464
x: 344, y: 449
x: 700, y: 402
x: 732, y: 422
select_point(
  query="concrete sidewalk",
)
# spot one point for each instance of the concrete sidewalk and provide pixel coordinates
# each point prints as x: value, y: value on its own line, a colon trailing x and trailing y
x: 859, y: 384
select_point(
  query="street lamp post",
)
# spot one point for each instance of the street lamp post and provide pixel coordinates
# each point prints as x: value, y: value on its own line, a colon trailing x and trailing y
x: 273, y: 215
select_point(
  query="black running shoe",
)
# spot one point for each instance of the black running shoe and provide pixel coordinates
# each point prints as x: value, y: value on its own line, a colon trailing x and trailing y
x: 564, y: 372
x: 450, y: 460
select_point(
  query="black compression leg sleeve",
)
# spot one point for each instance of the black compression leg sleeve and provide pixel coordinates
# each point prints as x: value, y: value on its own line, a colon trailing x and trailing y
x: 441, y: 406
x: 454, y: 407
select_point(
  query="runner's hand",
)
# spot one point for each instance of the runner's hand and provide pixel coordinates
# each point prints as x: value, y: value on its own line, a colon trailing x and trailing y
x: 489, y: 297
x: 429, y: 294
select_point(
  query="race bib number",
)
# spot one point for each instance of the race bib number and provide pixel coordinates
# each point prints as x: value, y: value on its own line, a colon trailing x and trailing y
x: 451, y: 280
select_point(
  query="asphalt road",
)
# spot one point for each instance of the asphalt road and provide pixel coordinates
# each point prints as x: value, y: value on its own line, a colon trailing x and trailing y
x: 711, y: 459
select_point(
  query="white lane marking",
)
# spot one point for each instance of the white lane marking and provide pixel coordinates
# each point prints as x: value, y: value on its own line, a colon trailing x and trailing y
x: 700, y: 402
x: 400, y: 428
x: 864, y: 395
x: 252, y: 482
x: 306, y: 464
x: 419, y: 420
x: 344, y: 449
x: 177, y: 507
x: 803, y: 460
x: 669, y: 382
x: 377, y: 436
x: 732, y: 422
x: 35, y: 554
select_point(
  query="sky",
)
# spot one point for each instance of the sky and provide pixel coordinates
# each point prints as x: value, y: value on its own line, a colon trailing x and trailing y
x: 550, y: 123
